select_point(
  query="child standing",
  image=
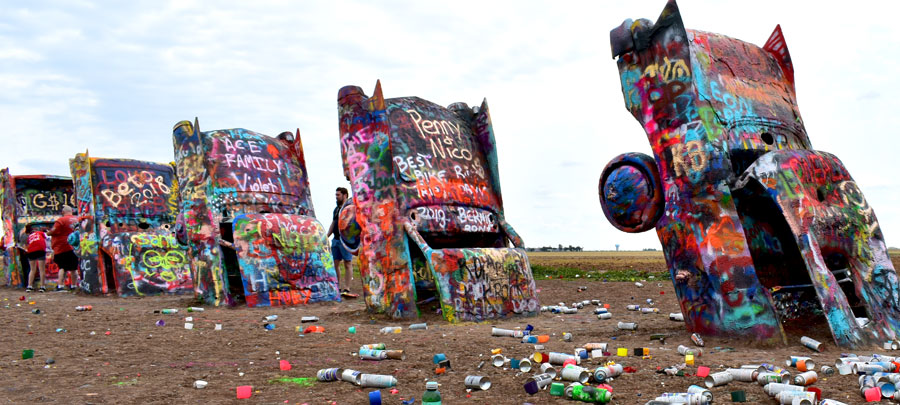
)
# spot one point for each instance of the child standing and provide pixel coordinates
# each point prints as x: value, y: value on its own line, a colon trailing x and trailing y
x: 36, y: 252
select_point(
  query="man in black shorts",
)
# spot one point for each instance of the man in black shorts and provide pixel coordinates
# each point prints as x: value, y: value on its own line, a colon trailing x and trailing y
x: 63, y: 255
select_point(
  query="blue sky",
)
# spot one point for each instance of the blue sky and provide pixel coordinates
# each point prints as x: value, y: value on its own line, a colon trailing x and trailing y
x: 114, y: 77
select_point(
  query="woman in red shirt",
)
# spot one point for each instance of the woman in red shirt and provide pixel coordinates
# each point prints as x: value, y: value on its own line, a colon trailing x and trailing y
x: 36, y: 252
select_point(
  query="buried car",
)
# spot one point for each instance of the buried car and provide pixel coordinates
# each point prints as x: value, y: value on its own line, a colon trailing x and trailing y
x: 35, y: 200
x: 758, y: 228
x: 246, y: 215
x: 427, y: 214
x: 126, y: 242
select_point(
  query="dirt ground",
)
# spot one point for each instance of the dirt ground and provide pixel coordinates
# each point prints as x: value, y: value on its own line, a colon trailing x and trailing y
x: 140, y: 362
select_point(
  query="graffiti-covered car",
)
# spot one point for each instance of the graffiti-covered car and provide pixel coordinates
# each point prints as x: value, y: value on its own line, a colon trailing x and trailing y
x: 427, y: 213
x: 35, y: 200
x: 127, y: 211
x: 760, y: 231
x: 246, y: 214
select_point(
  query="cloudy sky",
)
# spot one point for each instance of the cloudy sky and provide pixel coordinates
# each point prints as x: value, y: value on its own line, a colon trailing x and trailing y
x: 115, y: 77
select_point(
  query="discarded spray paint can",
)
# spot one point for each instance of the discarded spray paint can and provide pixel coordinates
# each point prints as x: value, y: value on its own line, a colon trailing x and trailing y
x: 507, y: 332
x: 84, y: 308
x: 391, y: 329
x: 683, y: 398
x: 597, y: 354
x: 569, y: 392
x: 577, y: 374
x: 374, y: 346
x: 307, y: 319
x: 195, y: 309
x: 329, y: 374
x: 541, y: 380
x: 697, y: 339
x: 827, y: 370
x: 805, y: 365
x: 595, y: 346
x: 864, y: 368
x: 718, y: 379
x: 831, y: 402
x: 548, y: 368
x: 788, y: 396
x: 525, y: 365
x: 684, y: 350
x: 627, y: 325
x: 743, y: 374
x: 604, y: 373
x: 270, y: 318
x: 370, y: 354
x: 772, y: 389
x: 200, y: 384
x: 557, y: 358
x: 569, y: 311
x: 417, y: 326
x: 498, y: 360
x: 703, y: 392
x: 601, y: 310
x: 811, y: 343
x: 649, y: 310
x: 169, y: 311
x: 806, y: 378
x: 477, y: 382
x: 891, y: 345
x: 676, y: 316
x: 605, y: 315
x: 567, y: 337
x: 633, y: 307
x: 377, y: 381
x: 887, y: 389
x: 351, y: 376
x: 395, y: 354
x: 770, y: 377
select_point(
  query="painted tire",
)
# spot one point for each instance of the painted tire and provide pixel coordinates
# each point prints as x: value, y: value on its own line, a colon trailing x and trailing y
x: 631, y: 193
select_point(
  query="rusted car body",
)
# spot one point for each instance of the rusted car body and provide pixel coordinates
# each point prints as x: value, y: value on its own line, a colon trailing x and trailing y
x: 246, y: 215
x: 29, y: 200
x: 759, y: 229
x: 127, y: 211
x: 427, y: 211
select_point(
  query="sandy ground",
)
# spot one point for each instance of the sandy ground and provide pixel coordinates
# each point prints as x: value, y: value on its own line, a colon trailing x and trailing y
x: 139, y: 362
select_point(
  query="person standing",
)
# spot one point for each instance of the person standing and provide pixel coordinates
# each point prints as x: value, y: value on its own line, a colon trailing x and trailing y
x: 63, y: 254
x: 36, y: 252
x: 339, y: 252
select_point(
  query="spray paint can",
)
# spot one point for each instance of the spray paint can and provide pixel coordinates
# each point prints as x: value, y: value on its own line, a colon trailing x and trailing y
x: 270, y: 318
x: 507, y: 332
x: 806, y: 378
x: 676, y: 316
x: 769, y: 377
x: 567, y: 337
x: 307, y: 319
x: 887, y: 389
x: 548, y: 368
x: 395, y: 354
x: 374, y: 346
x: 570, y: 389
x: 865, y: 368
x: 525, y: 365
x: 477, y: 382
x: 169, y: 311
x: 195, y: 309
x: 627, y: 325
x: 351, y: 376
x: 417, y: 326
x: 604, y: 373
x: 577, y: 374
x: 831, y: 402
x: 595, y: 346
x: 684, y: 350
x: 683, y: 398
x: 391, y: 329
x: 605, y: 315
x: 557, y: 358
x: 743, y: 374
x: 542, y: 380
x: 329, y: 374
x: 498, y: 360
x: 788, y: 396
x: 695, y: 337
x: 600, y: 310
x: 377, y: 381
x: 84, y: 308
x: 703, y: 392
x: 371, y: 354
x: 891, y: 345
x: 633, y: 307
x: 569, y: 311
x: 718, y: 379
x: 827, y: 370
x: 649, y: 310
x: 772, y: 389
x: 811, y: 343
x: 806, y: 365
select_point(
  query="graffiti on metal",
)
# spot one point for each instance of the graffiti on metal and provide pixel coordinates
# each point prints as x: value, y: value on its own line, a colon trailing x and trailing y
x: 127, y: 220
x: 246, y: 215
x: 427, y: 204
x: 740, y: 200
x: 29, y: 200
